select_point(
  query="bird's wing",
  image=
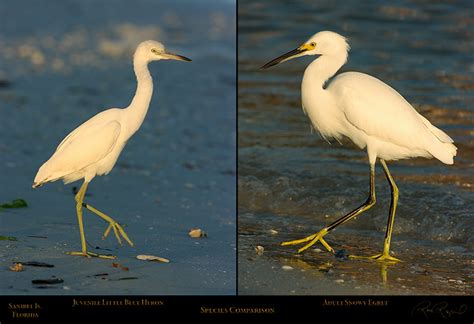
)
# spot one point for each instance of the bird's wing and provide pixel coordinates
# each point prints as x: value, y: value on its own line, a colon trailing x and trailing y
x: 378, y: 110
x: 102, y: 117
x: 86, y: 145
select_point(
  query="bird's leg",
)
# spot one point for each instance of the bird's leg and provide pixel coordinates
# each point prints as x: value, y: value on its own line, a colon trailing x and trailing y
x: 312, y: 239
x: 79, y: 198
x: 112, y: 225
x: 385, y: 255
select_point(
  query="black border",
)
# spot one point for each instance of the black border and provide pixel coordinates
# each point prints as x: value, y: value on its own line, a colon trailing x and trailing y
x: 237, y: 147
x: 274, y: 308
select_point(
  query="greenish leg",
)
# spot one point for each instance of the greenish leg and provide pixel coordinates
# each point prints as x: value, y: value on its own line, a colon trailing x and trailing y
x: 79, y: 199
x: 391, y: 218
x: 385, y: 255
x: 112, y: 225
x: 312, y: 239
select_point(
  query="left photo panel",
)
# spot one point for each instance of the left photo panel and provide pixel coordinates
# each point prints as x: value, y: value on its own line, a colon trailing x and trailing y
x: 118, y: 147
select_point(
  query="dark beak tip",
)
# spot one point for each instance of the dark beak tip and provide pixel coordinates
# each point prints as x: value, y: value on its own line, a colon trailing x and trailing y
x: 178, y: 57
x: 282, y: 58
x: 184, y: 58
x: 270, y: 64
x: 266, y: 66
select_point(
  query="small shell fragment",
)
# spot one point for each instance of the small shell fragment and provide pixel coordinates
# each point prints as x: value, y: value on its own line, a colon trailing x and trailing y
x: 17, y: 267
x: 119, y: 266
x: 152, y: 258
x: 273, y: 232
x: 197, y: 233
x: 287, y: 267
x: 259, y: 249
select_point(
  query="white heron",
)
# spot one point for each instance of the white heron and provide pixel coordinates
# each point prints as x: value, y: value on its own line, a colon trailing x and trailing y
x: 370, y: 113
x: 94, y: 147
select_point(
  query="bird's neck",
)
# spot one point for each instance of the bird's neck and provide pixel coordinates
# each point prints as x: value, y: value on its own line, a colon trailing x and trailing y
x: 322, y: 69
x: 138, y: 108
x: 318, y: 102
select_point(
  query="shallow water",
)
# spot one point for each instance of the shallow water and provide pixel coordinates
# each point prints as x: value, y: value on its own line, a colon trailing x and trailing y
x: 65, y: 62
x: 292, y: 181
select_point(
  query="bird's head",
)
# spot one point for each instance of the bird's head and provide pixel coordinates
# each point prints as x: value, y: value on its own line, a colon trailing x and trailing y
x: 151, y: 50
x: 326, y: 43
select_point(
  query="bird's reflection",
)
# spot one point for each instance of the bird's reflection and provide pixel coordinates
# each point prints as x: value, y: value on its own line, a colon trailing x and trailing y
x: 320, y: 267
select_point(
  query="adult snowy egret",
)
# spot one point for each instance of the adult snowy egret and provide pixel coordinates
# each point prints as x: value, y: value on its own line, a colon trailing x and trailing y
x: 94, y: 147
x: 370, y: 113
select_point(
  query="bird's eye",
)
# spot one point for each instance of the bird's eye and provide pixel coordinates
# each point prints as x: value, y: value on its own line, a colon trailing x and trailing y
x: 313, y: 44
x: 154, y: 51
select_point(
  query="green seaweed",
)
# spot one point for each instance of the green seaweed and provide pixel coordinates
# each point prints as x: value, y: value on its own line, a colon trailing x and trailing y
x: 17, y: 203
x: 8, y: 238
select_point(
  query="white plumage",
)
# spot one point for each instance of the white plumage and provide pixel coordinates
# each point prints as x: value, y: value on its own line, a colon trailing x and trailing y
x: 91, y: 149
x: 379, y: 117
x: 94, y: 147
x: 366, y: 110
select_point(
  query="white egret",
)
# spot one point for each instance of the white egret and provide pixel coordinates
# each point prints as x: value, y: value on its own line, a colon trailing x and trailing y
x: 94, y: 147
x: 370, y: 113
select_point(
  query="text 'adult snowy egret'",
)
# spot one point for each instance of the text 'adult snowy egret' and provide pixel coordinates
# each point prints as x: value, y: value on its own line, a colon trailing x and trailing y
x: 370, y: 113
x: 94, y: 147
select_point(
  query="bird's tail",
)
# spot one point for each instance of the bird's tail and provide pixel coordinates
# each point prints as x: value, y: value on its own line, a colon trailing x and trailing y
x: 445, y: 152
x: 39, y: 180
x: 441, y: 145
x: 36, y: 184
x: 43, y: 176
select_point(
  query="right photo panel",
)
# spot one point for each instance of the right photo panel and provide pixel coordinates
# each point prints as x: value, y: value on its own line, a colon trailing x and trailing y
x: 355, y: 148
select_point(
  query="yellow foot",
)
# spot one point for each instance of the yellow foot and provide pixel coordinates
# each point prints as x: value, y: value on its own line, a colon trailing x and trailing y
x: 91, y: 255
x: 382, y: 257
x: 312, y: 239
x: 117, y: 230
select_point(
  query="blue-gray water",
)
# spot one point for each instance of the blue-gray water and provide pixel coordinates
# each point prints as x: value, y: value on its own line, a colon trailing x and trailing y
x: 293, y: 182
x: 61, y: 62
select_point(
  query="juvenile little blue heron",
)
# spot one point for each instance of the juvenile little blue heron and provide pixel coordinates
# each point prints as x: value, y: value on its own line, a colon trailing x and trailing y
x: 94, y: 147
x: 370, y: 113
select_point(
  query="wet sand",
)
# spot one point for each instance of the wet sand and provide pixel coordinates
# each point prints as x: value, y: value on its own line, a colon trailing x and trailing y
x: 427, y: 268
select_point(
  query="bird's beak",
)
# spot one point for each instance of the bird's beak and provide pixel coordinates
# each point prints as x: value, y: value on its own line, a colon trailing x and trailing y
x: 287, y: 56
x: 172, y: 56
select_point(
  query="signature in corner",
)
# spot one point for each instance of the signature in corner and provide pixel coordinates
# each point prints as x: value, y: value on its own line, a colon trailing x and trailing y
x: 442, y: 309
